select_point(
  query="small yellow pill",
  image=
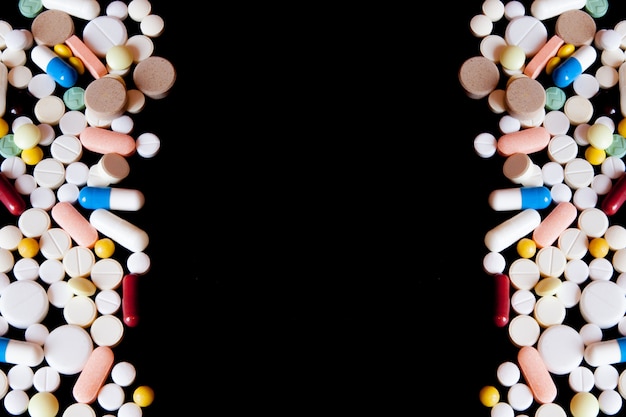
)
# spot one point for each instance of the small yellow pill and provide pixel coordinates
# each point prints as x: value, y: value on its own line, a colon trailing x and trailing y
x: 119, y: 57
x: 62, y: 50
x: 600, y: 135
x: 621, y: 127
x: 594, y: 155
x: 104, y: 248
x: 32, y: 156
x: 143, y: 396
x: 526, y: 248
x: 512, y: 57
x: 489, y: 396
x: 552, y: 64
x: 565, y: 50
x: 43, y: 404
x: 4, y: 127
x: 77, y: 64
x: 27, y: 136
x: 598, y: 247
x: 584, y: 404
x: 82, y: 286
x: 548, y: 286
x: 28, y: 247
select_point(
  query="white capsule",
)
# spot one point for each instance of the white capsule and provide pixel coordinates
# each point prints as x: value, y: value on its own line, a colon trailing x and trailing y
x: 510, y: 231
x: 119, y: 230
x: 83, y: 9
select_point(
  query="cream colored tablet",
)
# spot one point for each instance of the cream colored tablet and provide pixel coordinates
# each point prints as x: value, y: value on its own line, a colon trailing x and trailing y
x: 54, y: 243
x: 573, y: 243
x: 107, y: 330
x: 78, y: 261
x: 524, y: 330
x: 524, y: 273
x: 80, y: 310
x: 549, y: 311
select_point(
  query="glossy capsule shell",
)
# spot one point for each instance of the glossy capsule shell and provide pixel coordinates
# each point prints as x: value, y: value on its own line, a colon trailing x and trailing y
x: 606, y: 352
x: 520, y: 198
x: 572, y: 67
x: 510, y: 231
x: 62, y: 72
x: 119, y: 230
x: 502, y: 303
x: 130, y: 299
x: 111, y: 198
x: 615, y: 198
x: 20, y: 352
x: 10, y: 197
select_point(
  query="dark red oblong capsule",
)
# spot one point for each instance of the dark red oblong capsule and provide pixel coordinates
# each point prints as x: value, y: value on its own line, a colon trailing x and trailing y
x: 502, y: 301
x: 130, y: 299
x: 616, y: 196
x: 9, y: 196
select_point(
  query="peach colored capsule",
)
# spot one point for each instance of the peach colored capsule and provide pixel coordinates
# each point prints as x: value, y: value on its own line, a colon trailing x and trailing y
x: 559, y: 219
x: 536, y: 375
x: 72, y: 221
x: 526, y: 141
x: 94, y: 375
x: 103, y: 141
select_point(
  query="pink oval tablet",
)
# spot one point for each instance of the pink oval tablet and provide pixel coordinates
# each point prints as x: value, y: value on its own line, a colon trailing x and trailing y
x: 536, y: 375
x: 100, y: 140
x: 94, y: 375
x: 72, y: 221
x: 559, y: 219
x: 526, y: 141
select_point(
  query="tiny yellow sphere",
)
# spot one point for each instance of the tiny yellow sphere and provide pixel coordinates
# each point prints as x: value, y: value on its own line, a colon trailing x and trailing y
x: 32, y: 156
x: 594, y: 155
x: 565, y: 50
x: 552, y: 64
x: 526, y: 248
x: 4, y: 127
x: 598, y: 247
x: 28, y: 247
x: 489, y: 396
x: 143, y: 396
x: 104, y: 248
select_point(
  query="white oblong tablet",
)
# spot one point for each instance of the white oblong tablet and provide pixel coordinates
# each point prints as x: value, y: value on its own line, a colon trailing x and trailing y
x: 593, y: 222
x: 549, y: 311
x: 581, y: 379
x: 80, y: 310
x: 68, y: 348
x: 24, y: 303
x: 602, y: 303
x: 524, y: 330
x: 561, y: 348
x: 33, y: 222
x: 573, y: 243
x: 510, y: 231
x: 524, y: 274
x: 107, y: 330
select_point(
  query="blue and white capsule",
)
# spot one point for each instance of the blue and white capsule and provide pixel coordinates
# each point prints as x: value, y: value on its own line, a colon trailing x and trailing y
x: 606, y: 352
x: 20, y: 352
x: 63, y: 73
x: 520, y: 198
x: 111, y: 198
x: 577, y: 63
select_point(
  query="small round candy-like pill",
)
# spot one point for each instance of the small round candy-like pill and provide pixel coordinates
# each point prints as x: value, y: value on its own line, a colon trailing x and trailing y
x: 123, y: 373
x: 526, y: 248
x: 143, y: 395
x: 508, y: 373
x: 43, y: 404
x: 104, y: 247
x: 598, y: 247
x: 584, y: 404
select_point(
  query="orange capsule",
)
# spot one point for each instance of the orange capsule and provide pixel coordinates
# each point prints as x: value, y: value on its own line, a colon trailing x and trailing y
x: 130, y: 299
x: 502, y: 301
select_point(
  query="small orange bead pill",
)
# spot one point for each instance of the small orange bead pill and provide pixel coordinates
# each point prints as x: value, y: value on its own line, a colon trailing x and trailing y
x: 28, y: 247
x: 598, y: 247
x: 143, y: 396
x: 526, y: 248
x: 104, y: 248
x: 489, y: 396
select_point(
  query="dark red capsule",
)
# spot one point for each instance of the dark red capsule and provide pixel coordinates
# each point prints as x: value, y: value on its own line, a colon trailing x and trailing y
x: 502, y: 300
x: 616, y: 196
x: 9, y: 196
x: 130, y: 299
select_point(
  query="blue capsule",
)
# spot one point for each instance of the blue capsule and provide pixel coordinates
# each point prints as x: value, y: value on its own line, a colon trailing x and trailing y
x: 520, y: 198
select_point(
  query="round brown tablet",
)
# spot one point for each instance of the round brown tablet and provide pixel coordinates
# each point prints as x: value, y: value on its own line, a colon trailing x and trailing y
x: 154, y: 76
x: 479, y: 76
x: 106, y: 98
x: 576, y: 27
x: 51, y: 27
x: 525, y: 98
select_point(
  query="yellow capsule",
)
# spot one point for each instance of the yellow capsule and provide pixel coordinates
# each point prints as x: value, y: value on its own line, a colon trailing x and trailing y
x: 62, y: 50
x: 552, y: 64
x: 489, y: 396
x: 143, y: 396
x: 104, y: 248
x: 598, y: 247
x: 594, y: 155
x: 32, y: 156
x: 565, y: 50
x: 28, y: 247
x: 621, y: 127
x: 526, y: 248
x: 77, y: 64
x: 4, y: 127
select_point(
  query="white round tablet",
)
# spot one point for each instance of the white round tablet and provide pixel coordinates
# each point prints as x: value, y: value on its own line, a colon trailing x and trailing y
x: 549, y: 311
x: 520, y: 397
x: 54, y: 243
x: 20, y: 377
x: 605, y: 377
x: 108, y: 301
x: 79, y: 410
x: 524, y: 274
x: 111, y: 396
x: 601, y: 302
x: 123, y: 373
x: 523, y: 301
x: 33, y: 222
x: 107, y: 330
x: 68, y: 348
x: 561, y: 348
x: 16, y: 402
x: 51, y: 270
x: 24, y: 303
x: 610, y: 402
x: 581, y: 379
x: 46, y: 379
x: 508, y: 373
x: 80, y: 310
x: 593, y: 222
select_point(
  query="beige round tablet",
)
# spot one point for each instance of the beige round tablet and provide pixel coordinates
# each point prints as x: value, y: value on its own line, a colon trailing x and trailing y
x: 524, y: 330
x: 80, y: 310
x: 478, y: 76
x: 155, y: 76
x: 78, y: 261
x: 549, y: 310
x: 107, y: 274
x: 49, y: 110
x: 525, y: 98
x: 576, y: 27
x: 51, y: 27
x: 107, y: 330
x: 106, y: 98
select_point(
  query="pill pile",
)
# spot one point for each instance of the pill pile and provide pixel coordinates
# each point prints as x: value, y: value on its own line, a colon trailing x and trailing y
x: 554, y: 72
x: 73, y: 74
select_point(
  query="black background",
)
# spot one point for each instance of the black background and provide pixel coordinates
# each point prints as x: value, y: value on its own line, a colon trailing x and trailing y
x: 459, y: 331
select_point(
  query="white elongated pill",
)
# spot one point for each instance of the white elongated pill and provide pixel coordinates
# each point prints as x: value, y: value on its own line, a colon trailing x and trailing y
x: 120, y: 230
x: 510, y: 231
